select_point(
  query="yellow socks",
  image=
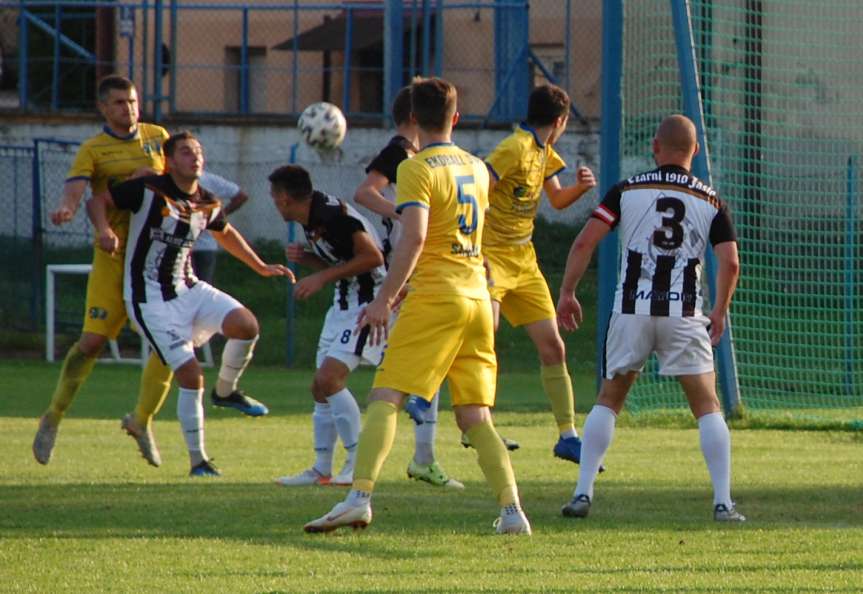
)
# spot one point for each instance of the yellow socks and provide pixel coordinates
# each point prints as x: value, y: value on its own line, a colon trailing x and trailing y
x: 155, y: 384
x: 76, y: 368
x: 558, y: 388
x: 376, y: 441
x: 494, y: 462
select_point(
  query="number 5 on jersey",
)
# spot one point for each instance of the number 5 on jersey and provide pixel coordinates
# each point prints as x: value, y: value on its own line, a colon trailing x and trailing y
x: 465, y: 197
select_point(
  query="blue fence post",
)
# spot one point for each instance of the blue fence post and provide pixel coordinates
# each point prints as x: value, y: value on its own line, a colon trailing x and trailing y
x: 426, y: 37
x: 609, y: 162
x: 692, y: 107
x: 244, y: 64
x: 567, y: 46
x: 850, y: 264
x: 438, y: 39
x: 511, y: 72
x: 412, y: 69
x: 393, y: 50
x: 55, y: 66
x: 290, y: 314
x: 172, y: 94
x: 157, y: 58
x: 346, y: 72
x: 23, y: 55
x: 145, y: 54
x: 295, y: 65
x: 38, y: 248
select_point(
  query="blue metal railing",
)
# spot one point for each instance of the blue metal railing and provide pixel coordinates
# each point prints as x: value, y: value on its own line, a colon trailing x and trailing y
x: 149, y: 27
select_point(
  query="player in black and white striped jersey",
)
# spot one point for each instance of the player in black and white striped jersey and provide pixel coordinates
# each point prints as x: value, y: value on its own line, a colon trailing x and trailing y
x: 666, y: 218
x: 171, y: 307
x: 344, y: 249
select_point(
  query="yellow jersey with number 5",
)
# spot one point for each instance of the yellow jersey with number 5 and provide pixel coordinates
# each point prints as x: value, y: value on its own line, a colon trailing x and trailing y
x: 107, y: 159
x: 453, y: 185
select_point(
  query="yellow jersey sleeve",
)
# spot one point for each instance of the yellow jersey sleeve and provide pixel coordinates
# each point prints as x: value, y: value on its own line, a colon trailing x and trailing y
x: 83, y: 166
x: 503, y: 159
x: 414, y: 186
x: 554, y: 164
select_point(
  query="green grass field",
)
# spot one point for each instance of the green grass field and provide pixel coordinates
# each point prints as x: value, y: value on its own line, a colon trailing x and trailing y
x: 98, y: 519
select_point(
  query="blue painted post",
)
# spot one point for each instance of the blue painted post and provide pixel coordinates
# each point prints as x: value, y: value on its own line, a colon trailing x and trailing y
x: 850, y: 263
x: 244, y: 64
x: 393, y: 42
x: 426, y: 37
x: 692, y: 107
x: 412, y: 69
x: 290, y: 314
x: 567, y: 46
x: 609, y: 161
x: 157, y: 70
x: 295, y: 66
x: 144, y: 87
x: 346, y: 71
x: 38, y: 254
x: 511, y: 43
x: 438, y: 39
x: 23, y: 55
x: 55, y: 66
x: 175, y: 58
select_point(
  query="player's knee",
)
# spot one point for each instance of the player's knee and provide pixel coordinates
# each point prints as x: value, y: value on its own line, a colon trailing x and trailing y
x: 91, y: 344
x: 325, y: 384
x: 189, y: 375
x: 552, y: 350
x: 241, y: 324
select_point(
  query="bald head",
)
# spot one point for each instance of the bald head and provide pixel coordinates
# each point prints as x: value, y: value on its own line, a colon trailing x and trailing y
x: 675, y: 141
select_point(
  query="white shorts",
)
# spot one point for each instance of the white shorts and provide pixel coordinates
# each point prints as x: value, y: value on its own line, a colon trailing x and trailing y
x: 174, y: 328
x: 682, y: 345
x: 339, y: 342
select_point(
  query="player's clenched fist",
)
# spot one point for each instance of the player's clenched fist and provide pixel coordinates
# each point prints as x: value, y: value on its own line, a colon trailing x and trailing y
x: 62, y: 215
x: 108, y: 241
x: 585, y: 177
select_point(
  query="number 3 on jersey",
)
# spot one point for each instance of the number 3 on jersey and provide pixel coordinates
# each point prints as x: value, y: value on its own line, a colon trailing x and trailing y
x: 661, y: 237
x: 464, y: 197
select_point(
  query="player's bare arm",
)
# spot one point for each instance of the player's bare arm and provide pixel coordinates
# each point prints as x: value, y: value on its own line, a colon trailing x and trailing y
x: 569, y: 314
x: 727, y: 273
x: 366, y: 257
x: 234, y: 243
x: 296, y: 253
x: 73, y: 191
x: 405, y: 255
x: 561, y: 197
x: 97, y: 211
x: 234, y: 204
x: 369, y: 195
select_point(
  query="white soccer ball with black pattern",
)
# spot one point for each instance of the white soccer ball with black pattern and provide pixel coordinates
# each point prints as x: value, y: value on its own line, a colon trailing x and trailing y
x: 323, y: 126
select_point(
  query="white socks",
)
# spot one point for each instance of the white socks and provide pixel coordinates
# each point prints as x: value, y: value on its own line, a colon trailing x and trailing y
x: 568, y: 433
x: 598, y: 433
x: 346, y: 416
x: 716, y: 447
x: 235, y: 359
x: 324, y: 430
x: 424, y: 435
x: 190, y: 412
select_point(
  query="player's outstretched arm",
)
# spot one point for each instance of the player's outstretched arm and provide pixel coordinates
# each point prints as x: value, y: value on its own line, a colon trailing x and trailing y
x: 97, y: 210
x: 234, y: 243
x: 237, y: 201
x: 561, y: 198
x: 369, y: 194
x: 73, y: 191
x: 727, y: 273
x: 569, y: 313
x: 367, y: 257
x: 404, y: 259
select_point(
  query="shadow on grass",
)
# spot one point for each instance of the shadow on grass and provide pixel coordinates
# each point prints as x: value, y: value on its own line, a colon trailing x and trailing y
x: 263, y: 513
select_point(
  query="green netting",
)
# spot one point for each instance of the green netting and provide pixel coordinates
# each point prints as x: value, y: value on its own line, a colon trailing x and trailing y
x: 781, y: 87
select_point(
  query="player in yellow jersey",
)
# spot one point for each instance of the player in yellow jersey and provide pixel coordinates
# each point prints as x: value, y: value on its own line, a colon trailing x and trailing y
x: 444, y: 328
x: 125, y: 148
x: 521, y: 166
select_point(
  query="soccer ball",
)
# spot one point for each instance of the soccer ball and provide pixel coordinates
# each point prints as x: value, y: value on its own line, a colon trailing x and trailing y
x: 323, y: 126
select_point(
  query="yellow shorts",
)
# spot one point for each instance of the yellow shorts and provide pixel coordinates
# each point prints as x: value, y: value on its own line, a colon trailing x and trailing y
x: 437, y: 337
x: 105, y: 312
x: 519, y: 285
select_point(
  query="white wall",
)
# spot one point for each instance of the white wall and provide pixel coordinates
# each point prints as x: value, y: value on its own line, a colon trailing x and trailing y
x: 247, y: 154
